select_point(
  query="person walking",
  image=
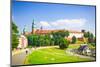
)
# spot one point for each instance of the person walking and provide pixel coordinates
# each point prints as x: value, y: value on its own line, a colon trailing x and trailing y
x: 26, y: 51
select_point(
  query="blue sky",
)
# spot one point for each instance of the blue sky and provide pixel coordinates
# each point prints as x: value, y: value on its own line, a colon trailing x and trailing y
x: 53, y: 16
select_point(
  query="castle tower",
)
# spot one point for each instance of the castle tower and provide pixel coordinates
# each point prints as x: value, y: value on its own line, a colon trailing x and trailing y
x: 33, y: 27
x: 24, y: 30
x: 41, y: 28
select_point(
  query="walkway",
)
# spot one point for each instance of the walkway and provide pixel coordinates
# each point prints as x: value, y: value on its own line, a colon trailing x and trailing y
x: 18, y: 59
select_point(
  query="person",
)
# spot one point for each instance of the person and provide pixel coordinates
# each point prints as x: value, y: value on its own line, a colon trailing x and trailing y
x: 26, y: 51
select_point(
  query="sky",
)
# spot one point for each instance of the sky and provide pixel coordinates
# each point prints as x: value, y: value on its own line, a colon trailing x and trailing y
x: 53, y: 16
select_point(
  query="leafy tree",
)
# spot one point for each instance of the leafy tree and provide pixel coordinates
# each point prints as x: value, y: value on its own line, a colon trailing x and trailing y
x: 59, y: 38
x: 60, y: 34
x: 39, y: 40
x: 14, y: 36
x: 33, y: 40
x: 86, y: 34
x: 14, y: 28
x: 83, y: 31
x: 91, y: 38
x: 30, y: 40
x: 73, y: 39
x: 63, y: 43
x: 47, y: 40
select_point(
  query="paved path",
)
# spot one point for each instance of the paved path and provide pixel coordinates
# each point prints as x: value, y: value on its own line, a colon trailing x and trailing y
x: 19, y: 59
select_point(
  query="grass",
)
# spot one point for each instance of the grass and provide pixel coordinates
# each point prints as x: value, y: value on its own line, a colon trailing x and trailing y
x: 52, y: 55
x: 92, y: 47
x: 79, y: 42
x: 74, y: 46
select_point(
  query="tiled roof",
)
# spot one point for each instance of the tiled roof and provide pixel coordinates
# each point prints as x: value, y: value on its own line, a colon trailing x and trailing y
x: 71, y: 31
x: 50, y: 31
x: 38, y: 31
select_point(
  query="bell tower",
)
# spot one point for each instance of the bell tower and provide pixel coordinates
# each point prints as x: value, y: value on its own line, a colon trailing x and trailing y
x: 33, y: 27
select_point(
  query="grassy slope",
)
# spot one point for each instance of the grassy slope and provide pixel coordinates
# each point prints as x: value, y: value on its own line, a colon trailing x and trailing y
x: 51, y: 55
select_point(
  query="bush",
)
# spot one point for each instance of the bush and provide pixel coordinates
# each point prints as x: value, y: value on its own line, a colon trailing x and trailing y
x: 29, y: 46
x: 73, y: 39
x: 63, y: 43
x: 93, y: 44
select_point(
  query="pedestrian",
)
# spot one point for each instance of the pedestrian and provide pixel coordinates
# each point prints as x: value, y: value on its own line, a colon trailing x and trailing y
x: 26, y: 51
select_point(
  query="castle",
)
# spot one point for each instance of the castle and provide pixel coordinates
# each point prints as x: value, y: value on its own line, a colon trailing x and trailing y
x: 23, y: 42
x: 41, y: 31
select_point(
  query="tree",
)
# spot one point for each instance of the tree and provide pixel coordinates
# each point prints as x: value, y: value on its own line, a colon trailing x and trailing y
x: 30, y: 40
x: 59, y: 38
x: 33, y: 40
x: 91, y: 38
x: 14, y: 28
x: 73, y: 39
x: 14, y: 36
x: 83, y: 31
x: 47, y: 39
x: 39, y: 40
x: 63, y: 43
x: 86, y: 34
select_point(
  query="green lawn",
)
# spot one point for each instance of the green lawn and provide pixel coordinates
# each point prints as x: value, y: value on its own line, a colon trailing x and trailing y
x: 51, y: 55
x: 73, y: 46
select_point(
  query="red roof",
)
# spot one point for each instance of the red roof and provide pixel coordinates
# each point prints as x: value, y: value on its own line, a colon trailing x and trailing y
x: 50, y: 31
x: 39, y: 31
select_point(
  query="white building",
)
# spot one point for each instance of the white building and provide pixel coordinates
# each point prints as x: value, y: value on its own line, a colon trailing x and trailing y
x: 76, y: 34
x: 23, y: 43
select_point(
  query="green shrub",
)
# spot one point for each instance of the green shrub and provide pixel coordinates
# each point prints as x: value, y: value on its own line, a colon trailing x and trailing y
x: 63, y: 43
x: 29, y: 47
x: 73, y: 39
x: 93, y: 44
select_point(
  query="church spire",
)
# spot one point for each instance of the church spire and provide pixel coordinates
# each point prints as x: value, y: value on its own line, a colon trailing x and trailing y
x: 33, y: 27
x: 24, y: 30
x: 41, y: 27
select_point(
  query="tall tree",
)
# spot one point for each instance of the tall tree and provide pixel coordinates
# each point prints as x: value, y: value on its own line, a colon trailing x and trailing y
x: 14, y: 35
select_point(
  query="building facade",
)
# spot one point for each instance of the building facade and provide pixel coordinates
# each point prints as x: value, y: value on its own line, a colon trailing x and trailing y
x: 23, y: 42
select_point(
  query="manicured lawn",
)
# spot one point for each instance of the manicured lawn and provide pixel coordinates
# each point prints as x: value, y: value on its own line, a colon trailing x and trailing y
x: 51, y: 55
x: 74, y: 46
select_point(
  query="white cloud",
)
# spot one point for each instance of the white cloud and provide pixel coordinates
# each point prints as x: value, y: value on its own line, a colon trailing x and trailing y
x: 69, y: 22
x: 64, y: 23
x: 44, y: 23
